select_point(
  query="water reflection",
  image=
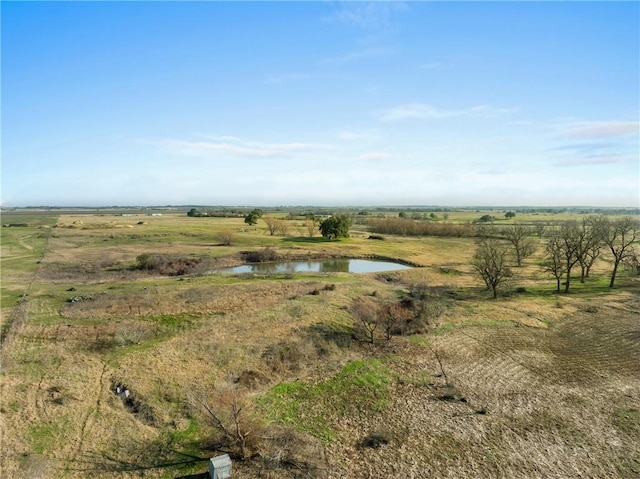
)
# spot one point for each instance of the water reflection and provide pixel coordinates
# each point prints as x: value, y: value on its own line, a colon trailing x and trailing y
x: 322, y: 266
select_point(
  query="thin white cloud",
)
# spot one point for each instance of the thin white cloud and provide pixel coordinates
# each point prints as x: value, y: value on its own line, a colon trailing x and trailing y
x: 374, y: 156
x: 368, y: 15
x: 584, y: 143
x: 424, y: 111
x: 595, y: 130
x: 590, y: 161
x: 431, y: 66
x: 229, y: 146
x: 356, y: 134
x: 363, y: 54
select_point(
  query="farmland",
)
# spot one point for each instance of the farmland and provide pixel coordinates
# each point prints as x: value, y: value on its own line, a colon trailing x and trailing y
x: 531, y: 384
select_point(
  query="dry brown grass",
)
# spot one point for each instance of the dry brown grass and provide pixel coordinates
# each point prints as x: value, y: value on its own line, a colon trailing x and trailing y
x: 530, y: 385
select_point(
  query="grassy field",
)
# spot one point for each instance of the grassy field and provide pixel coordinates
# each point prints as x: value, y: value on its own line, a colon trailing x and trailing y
x: 533, y: 384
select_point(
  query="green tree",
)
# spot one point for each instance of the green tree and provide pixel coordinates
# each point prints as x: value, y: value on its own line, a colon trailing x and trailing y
x: 335, y: 227
x: 252, y: 217
x: 485, y: 219
x: 509, y: 215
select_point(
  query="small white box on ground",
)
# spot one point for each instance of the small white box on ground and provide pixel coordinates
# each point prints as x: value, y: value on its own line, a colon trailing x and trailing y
x: 220, y: 467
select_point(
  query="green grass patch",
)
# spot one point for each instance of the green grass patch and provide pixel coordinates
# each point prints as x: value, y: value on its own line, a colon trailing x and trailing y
x: 361, y: 387
x: 171, y: 323
x: 47, y: 436
x: 420, y: 340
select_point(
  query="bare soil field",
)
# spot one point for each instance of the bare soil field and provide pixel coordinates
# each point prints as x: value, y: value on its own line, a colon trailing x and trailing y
x: 272, y: 368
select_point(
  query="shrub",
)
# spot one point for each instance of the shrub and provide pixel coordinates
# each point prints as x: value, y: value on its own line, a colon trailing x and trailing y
x: 144, y: 261
x: 226, y: 237
x: 267, y: 254
x: 375, y: 440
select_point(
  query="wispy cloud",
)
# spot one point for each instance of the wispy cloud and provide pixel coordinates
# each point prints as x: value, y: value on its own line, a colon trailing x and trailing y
x: 368, y: 15
x: 425, y: 111
x: 374, y: 156
x: 230, y: 146
x: 596, y: 142
x: 357, y: 134
x: 590, y: 160
x: 431, y: 66
x: 596, y: 130
x: 356, y: 55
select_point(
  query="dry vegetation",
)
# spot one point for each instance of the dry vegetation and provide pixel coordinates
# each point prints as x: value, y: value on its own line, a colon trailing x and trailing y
x: 282, y: 372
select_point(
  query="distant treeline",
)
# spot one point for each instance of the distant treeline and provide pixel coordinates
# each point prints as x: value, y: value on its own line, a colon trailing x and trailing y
x: 196, y: 213
x: 408, y: 227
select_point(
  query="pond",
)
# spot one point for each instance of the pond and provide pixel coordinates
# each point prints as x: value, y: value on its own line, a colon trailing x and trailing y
x: 342, y: 265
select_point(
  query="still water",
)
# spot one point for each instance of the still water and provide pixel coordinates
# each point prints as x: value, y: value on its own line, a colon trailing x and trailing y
x: 321, y: 266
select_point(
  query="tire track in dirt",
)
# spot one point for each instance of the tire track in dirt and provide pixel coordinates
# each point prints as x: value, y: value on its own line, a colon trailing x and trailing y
x: 90, y: 416
x: 589, y: 348
x: 487, y: 367
x: 18, y: 316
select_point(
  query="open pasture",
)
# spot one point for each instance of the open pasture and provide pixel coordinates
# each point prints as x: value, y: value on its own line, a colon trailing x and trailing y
x: 533, y: 384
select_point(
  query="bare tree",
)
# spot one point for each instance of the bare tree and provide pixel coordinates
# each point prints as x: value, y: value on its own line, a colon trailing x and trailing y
x: 366, y: 314
x: 226, y: 237
x: 276, y: 226
x: 590, y: 246
x: 554, y: 259
x: 490, y: 263
x: 272, y: 224
x: 572, y: 238
x: 523, y: 246
x: 393, y: 316
x: 282, y: 227
x: 312, y: 226
x: 618, y: 235
x: 224, y: 410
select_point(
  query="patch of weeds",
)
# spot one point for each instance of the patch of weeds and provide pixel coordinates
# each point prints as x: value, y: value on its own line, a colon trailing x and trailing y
x: 12, y: 407
x: 629, y: 467
x: 289, y: 355
x: 627, y: 420
x: 419, y: 340
x: 58, y: 396
x: 46, y: 436
x: 296, y: 311
x: 337, y: 332
x: 173, y: 323
x: 361, y: 387
x: 186, y: 434
x: 287, y: 403
x: 443, y: 328
x: 448, y: 271
x: 422, y: 380
x: 446, y: 327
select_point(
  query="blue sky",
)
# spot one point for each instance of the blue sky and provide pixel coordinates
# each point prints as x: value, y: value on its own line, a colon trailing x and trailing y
x: 320, y: 103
